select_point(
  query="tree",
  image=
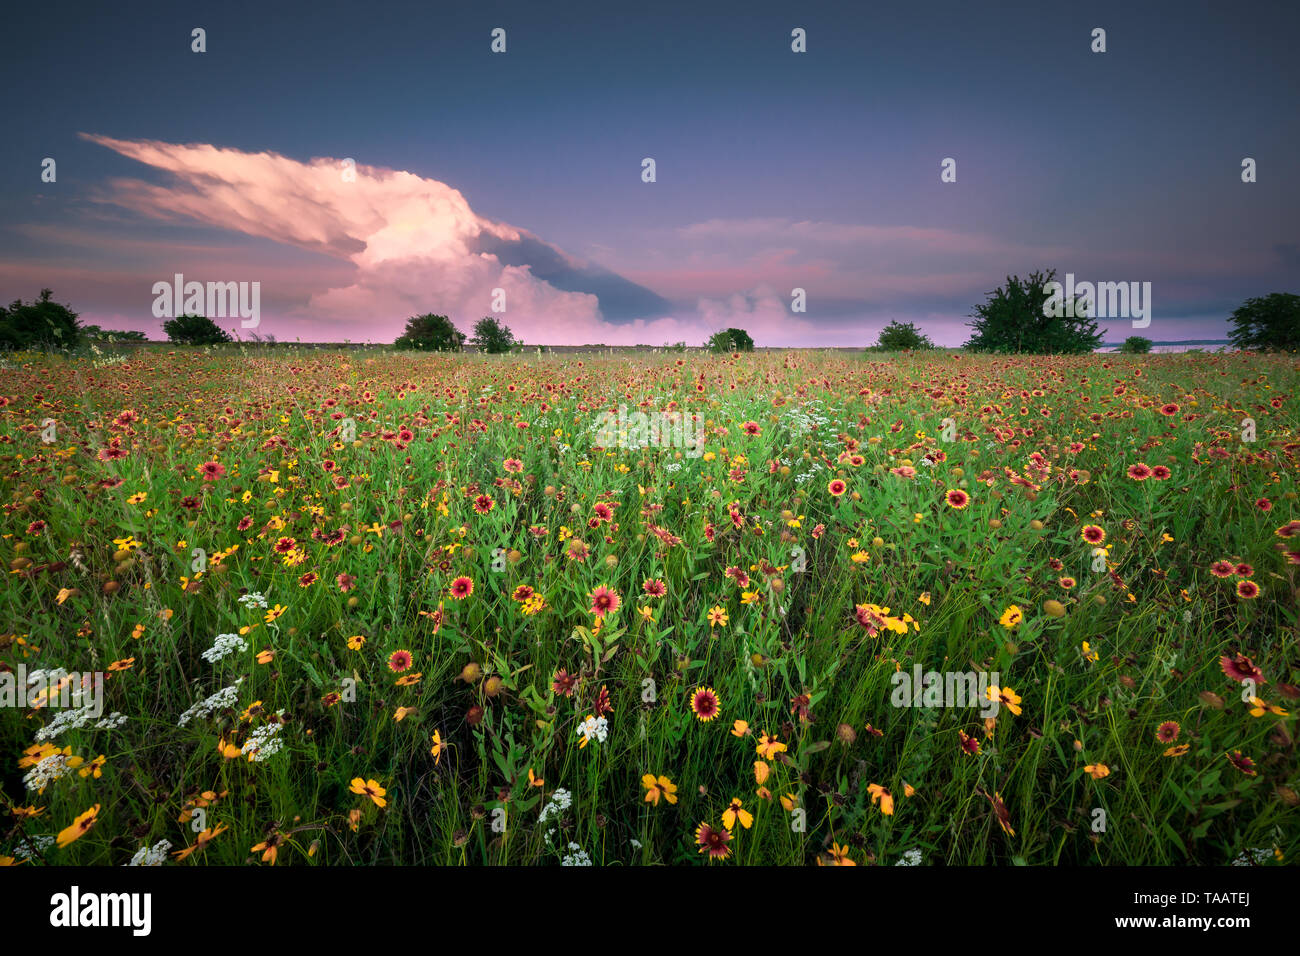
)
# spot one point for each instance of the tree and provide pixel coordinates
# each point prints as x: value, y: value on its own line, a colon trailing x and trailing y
x: 1136, y: 345
x: 902, y: 337
x: 1025, y: 316
x: 430, y: 333
x: 40, y: 324
x: 195, y: 330
x: 730, y: 340
x: 491, y: 336
x: 1267, y: 323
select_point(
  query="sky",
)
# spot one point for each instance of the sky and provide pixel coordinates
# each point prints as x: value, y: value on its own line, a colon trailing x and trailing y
x: 367, y: 162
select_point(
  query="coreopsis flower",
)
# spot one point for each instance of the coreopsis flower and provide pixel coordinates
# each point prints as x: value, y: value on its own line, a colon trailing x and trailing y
x: 736, y: 813
x: 1097, y: 771
x: 717, y: 616
x: 1011, y: 617
x: 839, y: 856
x: 657, y: 787
x: 79, y: 827
x: 1006, y: 697
x: 201, y: 841
x: 437, y: 748
x: 269, y: 848
x: 740, y: 728
x: 769, y: 747
x: 883, y: 796
x: 369, y: 788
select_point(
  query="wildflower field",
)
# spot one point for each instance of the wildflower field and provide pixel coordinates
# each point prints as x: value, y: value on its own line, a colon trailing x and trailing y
x: 299, y: 607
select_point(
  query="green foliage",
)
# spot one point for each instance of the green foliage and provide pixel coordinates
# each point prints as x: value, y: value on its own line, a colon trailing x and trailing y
x: 902, y: 337
x: 195, y: 330
x: 1136, y: 345
x: 1268, y: 323
x: 94, y: 333
x: 730, y: 340
x: 493, y: 337
x: 430, y: 333
x: 39, y: 325
x: 1016, y: 319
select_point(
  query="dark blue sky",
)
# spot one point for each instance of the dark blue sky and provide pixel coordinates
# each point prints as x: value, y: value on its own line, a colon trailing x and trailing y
x: 774, y: 169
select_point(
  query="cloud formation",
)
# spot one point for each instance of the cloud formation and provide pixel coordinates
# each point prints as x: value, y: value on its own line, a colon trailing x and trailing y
x: 415, y: 245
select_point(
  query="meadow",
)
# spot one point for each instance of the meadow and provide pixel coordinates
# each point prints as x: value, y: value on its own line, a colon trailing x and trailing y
x: 375, y: 607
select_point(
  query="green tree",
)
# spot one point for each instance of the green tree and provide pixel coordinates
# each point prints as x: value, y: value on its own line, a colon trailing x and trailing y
x: 1136, y: 345
x: 730, y: 340
x: 94, y: 333
x: 430, y: 333
x: 40, y: 324
x: 491, y: 336
x: 1024, y: 316
x: 1267, y: 323
x: 195, y: 330
x: 902, y: 337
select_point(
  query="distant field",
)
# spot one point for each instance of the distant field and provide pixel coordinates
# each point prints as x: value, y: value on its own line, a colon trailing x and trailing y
x: 367, y: 607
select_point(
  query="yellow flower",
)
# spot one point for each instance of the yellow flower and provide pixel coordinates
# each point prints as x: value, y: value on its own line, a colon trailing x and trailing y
x: 656, y: 787
x: 735, y: 812
x: 885, y: 798
x: 1097, y: 770
x: 761, y: 771
x: 717, y: 615
x: 1011, y: 617
x: 438, y: 746
x: 369, y: 788
x: 79, y: 827
x: 740, y: 728
x: 1005, y: 696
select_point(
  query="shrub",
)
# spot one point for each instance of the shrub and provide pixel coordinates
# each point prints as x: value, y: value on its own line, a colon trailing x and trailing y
x: 493, y: 337
x: 902, y: 337
x: 1267, y: 323
x: 430, y: 333
x: 38, y: 325
x: 195, y: 330
x: 1136, y: 345
x: 1017, y: 318
x: 730, y: 340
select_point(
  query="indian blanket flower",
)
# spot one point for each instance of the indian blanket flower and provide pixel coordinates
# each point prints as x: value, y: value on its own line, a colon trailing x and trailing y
x: 461, y: 588
x: 713, y: 841
x: 604, y: 600
x: 705, y: 704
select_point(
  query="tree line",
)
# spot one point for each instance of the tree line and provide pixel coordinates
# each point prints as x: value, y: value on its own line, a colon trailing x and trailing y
x: 1012, y: 320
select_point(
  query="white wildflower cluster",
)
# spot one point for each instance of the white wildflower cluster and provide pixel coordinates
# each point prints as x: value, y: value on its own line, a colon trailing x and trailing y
x: 265, y: 742
x: 672, y: 466
x: 79, y: 720
x: 52, y: 768
x: 910, y: 858
x: 26, y: 849
x: 594, y: 727
x: 560, y: 801
x: 1256, y: 857
x: 226, y: 697
x: 253, y: 600
x: 577, y: 857
x: 224, y: 646
x: 155, y: 855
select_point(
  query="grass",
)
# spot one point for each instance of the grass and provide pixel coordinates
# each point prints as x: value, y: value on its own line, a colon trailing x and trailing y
x: 830, y: 595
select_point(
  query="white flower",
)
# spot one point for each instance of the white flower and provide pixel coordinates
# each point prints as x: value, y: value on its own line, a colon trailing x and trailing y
x: 226, y: 697
x: 578, y: 857
x: 910, y: 858
x: 154, y: 855
x: 265, y: 741
x: 597, y: 727
x: 223, y: 646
